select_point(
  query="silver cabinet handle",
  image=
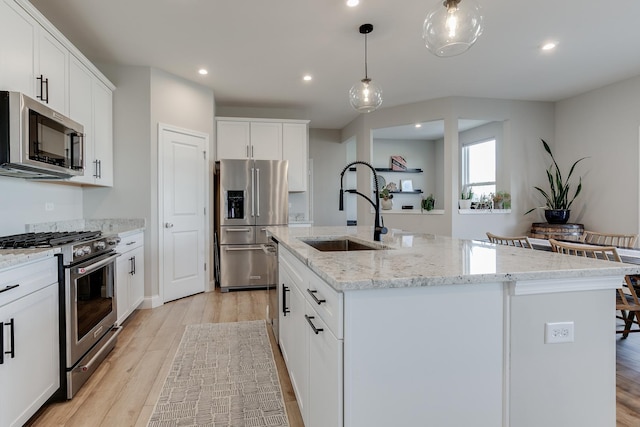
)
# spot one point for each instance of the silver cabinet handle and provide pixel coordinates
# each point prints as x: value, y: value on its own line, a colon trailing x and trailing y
x: 168, y: 225
x: 253, y: 191
x: 257, y: 193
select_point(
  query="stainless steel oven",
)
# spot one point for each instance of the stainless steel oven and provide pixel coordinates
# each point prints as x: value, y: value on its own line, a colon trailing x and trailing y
x: 87, y: 300
x: 90, y: 317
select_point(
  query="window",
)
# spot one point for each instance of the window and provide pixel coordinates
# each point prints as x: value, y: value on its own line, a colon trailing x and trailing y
x: 479, y: 167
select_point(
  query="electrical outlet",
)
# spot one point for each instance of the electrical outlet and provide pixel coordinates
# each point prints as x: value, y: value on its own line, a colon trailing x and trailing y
x: 558, y: 332
x: 49, y: 206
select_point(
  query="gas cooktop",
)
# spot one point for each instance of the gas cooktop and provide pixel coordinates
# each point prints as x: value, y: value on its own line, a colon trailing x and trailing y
x: 46, y: 239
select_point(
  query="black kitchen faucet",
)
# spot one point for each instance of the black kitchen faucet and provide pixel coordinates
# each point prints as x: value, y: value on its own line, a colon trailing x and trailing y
x: 378, y: 229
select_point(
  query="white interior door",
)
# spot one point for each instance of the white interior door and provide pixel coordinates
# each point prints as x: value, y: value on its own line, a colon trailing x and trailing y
x: 183, y: 218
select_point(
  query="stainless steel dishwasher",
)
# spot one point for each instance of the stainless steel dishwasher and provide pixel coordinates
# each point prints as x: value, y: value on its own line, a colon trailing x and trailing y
x: 271, y: 249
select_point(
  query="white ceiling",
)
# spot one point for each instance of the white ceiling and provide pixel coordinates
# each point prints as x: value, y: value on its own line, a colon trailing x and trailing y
x: 256, y: 51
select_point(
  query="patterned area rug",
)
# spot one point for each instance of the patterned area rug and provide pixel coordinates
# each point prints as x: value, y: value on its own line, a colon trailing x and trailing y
x: 223, y: 375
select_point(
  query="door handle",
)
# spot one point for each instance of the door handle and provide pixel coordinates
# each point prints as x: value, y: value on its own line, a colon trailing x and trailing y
x: 11, y: 352
x: 168, y: 225
x: 285, y: 309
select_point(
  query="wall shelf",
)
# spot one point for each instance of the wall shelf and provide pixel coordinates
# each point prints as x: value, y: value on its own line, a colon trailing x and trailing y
x: 411, y: 170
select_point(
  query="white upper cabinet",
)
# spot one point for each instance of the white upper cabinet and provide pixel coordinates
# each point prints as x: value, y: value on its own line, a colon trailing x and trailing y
x: 17, y: 44
x: 295, y: 148
x: 37, y: 60
x: 103, y: 133
x: 52, y: 76
x: 266, y: 139
x: 233, y: 139
x: 80, y: 110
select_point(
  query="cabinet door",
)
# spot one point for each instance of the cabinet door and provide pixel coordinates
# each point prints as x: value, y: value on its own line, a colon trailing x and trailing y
x: 325, y: 375
x: 32, y: 376
x: 136, y: 279
x: 299, y: 352
x: 233, y: 140
x: 81, y: 110
x: 266, y: 140
x: 52, y: 63
x: 123, y: 266
x: 17, y: 43
x: 294, y: 149
x: 103, y: 132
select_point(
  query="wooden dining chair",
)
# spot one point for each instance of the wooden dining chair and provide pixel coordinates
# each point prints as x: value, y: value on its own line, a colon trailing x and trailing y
x: 517, y: 241
x: 627, y: 303
x: 607, y: 239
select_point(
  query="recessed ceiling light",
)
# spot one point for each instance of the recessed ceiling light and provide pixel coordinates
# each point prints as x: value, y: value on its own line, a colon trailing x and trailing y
x: 307, y: 78
x: 203, y: 72
x: 549, y: 46
x: 418, y: 125
x: 353, y: 3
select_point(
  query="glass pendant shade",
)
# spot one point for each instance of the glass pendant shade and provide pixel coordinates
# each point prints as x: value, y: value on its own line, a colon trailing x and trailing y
x: 452, y: 27
x: 365, y: 96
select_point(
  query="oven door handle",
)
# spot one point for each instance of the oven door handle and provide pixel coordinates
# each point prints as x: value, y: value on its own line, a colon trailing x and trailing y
x: 81, y: 270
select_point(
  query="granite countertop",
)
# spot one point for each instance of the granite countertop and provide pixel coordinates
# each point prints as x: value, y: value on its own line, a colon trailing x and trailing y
x: 413, y: 260
x: 13, y: 257
x: 109, y: 226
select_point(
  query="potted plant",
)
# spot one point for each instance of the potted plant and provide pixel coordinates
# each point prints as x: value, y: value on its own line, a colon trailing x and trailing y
x: 465, y: 198
x: 557, y: 201
x: 501, y: 200
x: 429, y: 203
x: 386, y: 197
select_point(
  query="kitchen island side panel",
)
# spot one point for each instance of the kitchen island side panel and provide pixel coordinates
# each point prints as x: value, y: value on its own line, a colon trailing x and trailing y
x: 429, y: 356
x: 563, y: 384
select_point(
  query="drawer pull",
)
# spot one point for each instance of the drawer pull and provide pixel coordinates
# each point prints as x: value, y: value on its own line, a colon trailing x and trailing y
x: 315, y: 298
x: 316, y: 330
x: 8, y: 288
x: 285, y: 309
x: 12, y: 352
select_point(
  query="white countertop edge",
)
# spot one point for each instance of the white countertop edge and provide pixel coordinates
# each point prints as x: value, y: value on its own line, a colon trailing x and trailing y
x: 483, y: 211
x: 536, y: 287
x: 412, y: 212
x: 10, y: 258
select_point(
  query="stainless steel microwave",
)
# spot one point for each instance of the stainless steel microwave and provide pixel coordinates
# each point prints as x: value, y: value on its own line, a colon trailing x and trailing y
x: 37, y: 142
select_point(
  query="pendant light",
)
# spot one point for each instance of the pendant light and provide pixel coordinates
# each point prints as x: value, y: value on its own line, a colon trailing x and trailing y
x: 365, y: 96
x: 452, y: 27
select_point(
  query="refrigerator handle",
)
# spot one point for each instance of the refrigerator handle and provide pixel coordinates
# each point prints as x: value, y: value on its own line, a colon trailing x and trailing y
x: 253, y: 193
x: 257, y: 193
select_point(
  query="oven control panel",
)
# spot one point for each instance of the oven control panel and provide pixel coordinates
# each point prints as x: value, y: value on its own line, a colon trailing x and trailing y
x: 89, y: 249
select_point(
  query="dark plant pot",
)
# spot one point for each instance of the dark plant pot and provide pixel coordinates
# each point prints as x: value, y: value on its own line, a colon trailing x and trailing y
x: 557, y: 216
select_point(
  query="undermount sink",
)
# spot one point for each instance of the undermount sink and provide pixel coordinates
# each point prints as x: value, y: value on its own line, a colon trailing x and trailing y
x: 340, y: 244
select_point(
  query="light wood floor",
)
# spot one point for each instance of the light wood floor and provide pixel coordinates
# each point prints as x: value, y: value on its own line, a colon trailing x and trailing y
x: 124, y: 389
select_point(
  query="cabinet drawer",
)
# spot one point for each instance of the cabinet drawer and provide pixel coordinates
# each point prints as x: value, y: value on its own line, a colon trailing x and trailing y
x: 30, y: 277
x: 130, y: 242
x: 325, y: 301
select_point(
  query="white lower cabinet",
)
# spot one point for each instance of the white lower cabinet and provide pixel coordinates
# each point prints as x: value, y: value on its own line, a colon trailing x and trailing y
x: 29, y: 366
x: 312, y: 353
x: 325, y: 374
x: 129, y: 275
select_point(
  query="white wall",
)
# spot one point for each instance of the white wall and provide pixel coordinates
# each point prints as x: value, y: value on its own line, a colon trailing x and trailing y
x: 329, y: 158
x: 524, y: 123
x: 23, y: 202
x: 603, y: 125
x: 145, y: 97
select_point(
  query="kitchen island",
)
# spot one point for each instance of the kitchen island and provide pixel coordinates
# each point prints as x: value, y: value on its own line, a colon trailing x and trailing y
x: 437, y: 331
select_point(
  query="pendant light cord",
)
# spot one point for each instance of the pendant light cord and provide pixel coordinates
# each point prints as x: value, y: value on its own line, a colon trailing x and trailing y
x: 365, y: 57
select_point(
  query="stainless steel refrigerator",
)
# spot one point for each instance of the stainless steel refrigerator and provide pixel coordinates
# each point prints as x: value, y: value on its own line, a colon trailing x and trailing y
x: 250, y: 195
